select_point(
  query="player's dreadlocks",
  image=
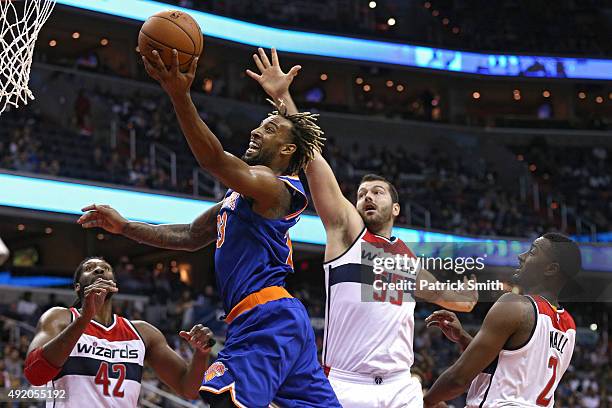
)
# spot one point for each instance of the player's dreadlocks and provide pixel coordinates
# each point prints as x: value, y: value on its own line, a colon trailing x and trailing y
x: 307, y: 136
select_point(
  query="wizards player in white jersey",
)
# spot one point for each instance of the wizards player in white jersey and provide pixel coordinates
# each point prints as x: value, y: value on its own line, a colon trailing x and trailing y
x: 270, y: 355
x: 368, y: 344
x: 96, y: 357
x: 525, y: 343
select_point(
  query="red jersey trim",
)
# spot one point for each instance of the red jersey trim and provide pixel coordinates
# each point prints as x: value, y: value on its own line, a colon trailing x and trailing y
x: 561, y: 320
x: 395, y: 246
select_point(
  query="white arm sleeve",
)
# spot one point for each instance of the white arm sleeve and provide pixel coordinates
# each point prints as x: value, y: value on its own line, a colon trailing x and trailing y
x: 4, y: 252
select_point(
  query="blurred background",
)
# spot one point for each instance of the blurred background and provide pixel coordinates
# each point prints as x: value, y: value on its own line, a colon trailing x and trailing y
x: 507, y: 151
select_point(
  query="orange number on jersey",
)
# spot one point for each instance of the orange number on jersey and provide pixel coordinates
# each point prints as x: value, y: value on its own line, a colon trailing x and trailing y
x: 221, y: 224
x: 542, y: 400
x: 102, y: 378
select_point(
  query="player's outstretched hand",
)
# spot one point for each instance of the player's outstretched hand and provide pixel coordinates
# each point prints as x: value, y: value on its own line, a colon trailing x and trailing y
x: 102, y: 216
x: 448, y: 322
x: 271, y: 77
x: 171, y: 79
x: 94, y: 296
x: 199, y: 337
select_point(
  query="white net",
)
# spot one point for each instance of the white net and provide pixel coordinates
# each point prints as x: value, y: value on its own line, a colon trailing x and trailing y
x: 20, y: 23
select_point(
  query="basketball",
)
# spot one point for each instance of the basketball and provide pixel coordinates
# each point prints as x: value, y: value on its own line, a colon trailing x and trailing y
x: 170, y: 29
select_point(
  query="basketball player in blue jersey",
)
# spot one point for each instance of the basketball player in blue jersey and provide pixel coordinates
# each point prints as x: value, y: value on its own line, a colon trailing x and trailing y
x: 97, y: 357
x: 270, y: 356
x: 368, y: 348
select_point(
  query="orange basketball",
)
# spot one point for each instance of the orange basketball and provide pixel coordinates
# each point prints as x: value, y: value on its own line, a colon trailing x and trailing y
x: 170, y: 29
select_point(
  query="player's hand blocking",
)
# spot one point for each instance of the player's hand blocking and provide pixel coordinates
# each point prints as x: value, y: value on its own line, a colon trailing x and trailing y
x: 448, y: 322
x: 172, y: 80
x: 102, y: 216
x: 199, y: 337
x: 94, y: 296
x: 272, y: 78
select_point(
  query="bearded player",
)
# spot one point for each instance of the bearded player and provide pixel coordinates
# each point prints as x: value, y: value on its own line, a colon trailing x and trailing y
x: 525, y: 343
x: 270, y: 354
x: 368, y: 344
x: 97, y: 357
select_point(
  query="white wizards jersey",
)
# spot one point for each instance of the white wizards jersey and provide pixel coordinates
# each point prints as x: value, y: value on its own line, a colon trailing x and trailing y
x: 528, y: 376
x: 368, y: 329
x: 104, y: 368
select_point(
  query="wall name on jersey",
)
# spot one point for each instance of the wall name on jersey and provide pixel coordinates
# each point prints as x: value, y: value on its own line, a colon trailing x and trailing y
x: 100, y: 351
x: 558, y: 340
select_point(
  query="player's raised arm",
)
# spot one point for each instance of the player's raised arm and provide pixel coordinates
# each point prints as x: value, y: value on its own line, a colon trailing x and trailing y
x: 256, y: 182
x: 333, y: 208
x: 508, y: 315
x: 183, y: 377
x: 457, y: 300
x: 189, y: 237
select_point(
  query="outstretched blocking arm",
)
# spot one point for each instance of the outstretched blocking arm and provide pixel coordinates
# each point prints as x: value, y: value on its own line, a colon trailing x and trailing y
x: 502, y: 321
x: 183, y: 377
x: 256, y: 182
x: 188, y: 237
x: 336, y: 212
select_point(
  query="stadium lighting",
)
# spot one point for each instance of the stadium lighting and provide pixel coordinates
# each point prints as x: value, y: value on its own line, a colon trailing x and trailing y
x: 21, y: 227
x: 445, y: 21
x: 599, y: 99
x: 104, y: 42
x: 359, y: 49
x: 391, y: 21
x: 427, y: 5
x: 456, y: 30
x: 389, y: 84
x: 581, y: 95
x: 48, y: 230
x: 400, y: 88
x: 323, y: 77
x: 476, y: 95
x: 593, y: 326
x: 52, y: 43
x: 76, y: 35
x: 359, y: 80
x: 367, y: 88
x: 372, y: 4
x: 435, y: 13
x: 546, y: 94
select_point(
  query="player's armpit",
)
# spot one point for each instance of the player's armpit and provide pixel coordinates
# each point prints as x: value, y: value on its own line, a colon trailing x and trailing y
x: 335, y: 211
x: 502, y: 321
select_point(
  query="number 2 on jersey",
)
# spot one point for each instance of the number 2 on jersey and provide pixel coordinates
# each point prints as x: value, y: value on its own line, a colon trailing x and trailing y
x: 542, y: 400
x: 103, y: 380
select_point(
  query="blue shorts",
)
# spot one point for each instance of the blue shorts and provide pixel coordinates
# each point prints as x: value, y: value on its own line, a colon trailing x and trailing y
x: 270, y: 356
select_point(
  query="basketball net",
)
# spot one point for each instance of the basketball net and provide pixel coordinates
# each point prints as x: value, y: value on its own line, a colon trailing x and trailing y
x: 19, y: 28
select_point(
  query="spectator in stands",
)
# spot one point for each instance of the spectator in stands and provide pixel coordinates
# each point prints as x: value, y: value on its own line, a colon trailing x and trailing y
x: 25, y: 307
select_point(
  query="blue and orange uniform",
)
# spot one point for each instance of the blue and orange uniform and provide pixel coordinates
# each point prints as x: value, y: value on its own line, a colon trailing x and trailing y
x: 270, y: 354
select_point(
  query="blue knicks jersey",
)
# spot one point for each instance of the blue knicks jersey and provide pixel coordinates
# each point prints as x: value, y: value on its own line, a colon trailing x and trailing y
x: 254, y: 252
